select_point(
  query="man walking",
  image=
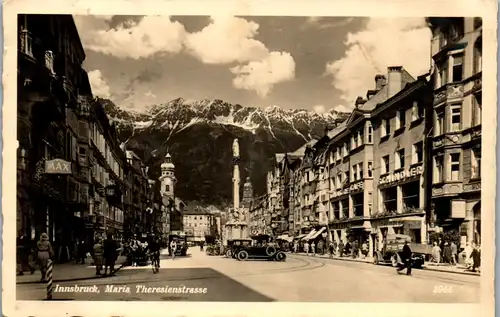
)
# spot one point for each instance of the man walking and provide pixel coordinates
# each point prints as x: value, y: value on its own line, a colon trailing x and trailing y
x: 23, y: 253
x: 406, y: 258
x: 110, y: 254
x: 173, y: 248
x: 454, y: 253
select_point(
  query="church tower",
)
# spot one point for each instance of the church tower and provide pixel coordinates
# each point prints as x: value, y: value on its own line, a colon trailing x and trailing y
x: 167, y: 177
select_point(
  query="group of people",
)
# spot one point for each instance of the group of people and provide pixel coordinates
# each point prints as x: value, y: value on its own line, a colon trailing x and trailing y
x: 340, y: 249
x: 448, y: 253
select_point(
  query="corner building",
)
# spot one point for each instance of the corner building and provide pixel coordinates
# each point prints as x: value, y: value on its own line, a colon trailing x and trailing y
x: 456, y: 145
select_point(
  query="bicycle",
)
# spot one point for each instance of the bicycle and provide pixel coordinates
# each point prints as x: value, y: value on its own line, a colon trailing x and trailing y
x: 155, y: 261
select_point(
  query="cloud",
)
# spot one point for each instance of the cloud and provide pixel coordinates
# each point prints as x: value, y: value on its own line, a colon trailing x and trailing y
x: 99, y: 86
x: 342, y: 108
x: 227, y: 40
x: 138, y: 39
x: 319, y: 108
x: 149, y: 94
x: 327, y: 22
x: 260, y: 76
x: 382, y: 43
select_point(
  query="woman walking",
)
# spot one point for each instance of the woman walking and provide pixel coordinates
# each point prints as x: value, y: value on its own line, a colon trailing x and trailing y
x: 44, y: 253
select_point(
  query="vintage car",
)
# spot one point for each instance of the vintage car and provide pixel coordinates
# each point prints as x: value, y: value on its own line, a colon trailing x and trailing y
x: 182, y: 246
x: 392, y: 247
x: 233, y: 245
x: 260, y: 249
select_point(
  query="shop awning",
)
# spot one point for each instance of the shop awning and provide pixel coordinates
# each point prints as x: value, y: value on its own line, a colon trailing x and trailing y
x: 285, y: 237
x: 320, y: 231
x: 300, y: 236
x: 309, y: 235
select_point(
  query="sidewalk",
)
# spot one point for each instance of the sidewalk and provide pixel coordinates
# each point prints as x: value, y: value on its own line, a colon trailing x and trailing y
x: 428, y: 266
x: 68, y: 272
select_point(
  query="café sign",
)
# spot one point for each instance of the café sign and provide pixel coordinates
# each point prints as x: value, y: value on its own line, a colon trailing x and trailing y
x: 57, y: 166
x: 401, y: 176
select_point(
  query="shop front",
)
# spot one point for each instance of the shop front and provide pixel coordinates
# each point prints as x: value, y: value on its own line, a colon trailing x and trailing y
x: 409, y: 224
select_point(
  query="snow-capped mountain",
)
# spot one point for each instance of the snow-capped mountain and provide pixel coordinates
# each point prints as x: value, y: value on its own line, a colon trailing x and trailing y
x: 199, y: 135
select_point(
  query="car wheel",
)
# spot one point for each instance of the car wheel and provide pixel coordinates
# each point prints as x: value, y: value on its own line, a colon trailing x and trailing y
x: 229, y: 253
x: 270, y: 250
x: 280, y: 256
x: 242, y: 255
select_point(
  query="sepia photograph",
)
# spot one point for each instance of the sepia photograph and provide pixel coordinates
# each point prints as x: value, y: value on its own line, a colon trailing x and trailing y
x: 250, y: 159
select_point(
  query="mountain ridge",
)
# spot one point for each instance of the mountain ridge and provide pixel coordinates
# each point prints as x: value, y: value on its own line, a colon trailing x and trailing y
x: 199, y: 135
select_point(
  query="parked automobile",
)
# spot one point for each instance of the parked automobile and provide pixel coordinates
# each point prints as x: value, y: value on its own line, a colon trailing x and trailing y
x: 392, y: 247
x: 182, y: 246
x: 261, y: 248
x: 233, y: 245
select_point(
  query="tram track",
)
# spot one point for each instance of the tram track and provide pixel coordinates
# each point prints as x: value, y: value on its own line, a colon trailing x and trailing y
x: 427, y: 275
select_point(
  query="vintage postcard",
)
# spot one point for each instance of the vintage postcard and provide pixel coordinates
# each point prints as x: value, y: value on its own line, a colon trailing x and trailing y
x: 192, y: 158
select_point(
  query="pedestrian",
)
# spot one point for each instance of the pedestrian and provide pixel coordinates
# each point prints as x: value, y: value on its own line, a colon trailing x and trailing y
x: 454, y: 253
x: 347, y: 248
x: 295, y: 247
x: 313, y: 248
x: 173, y: 248
x: 306, y: 247
x: 340, y: 250
x: 436, y: 253
x: 98, y: 256
x: 447, y: 253
x: 44, y: 253
x: 364, y: 249
x: 320, y: 247
x: 110, y: 254
x: 23, y: 253
x: 331, y: 249
x: 476, y: 257
x: 201, y: 246
x: 468, y: 256
x: 406, y: 258
x: 355, y: 249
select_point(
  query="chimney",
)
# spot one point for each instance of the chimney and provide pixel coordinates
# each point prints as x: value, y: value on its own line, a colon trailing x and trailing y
x: 395, y: 80
x: 359, y: 101
x: 380, y: 81
x: 370, y: 93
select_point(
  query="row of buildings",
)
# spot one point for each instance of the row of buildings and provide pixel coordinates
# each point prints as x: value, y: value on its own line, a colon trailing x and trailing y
x: 74, y: 180
x: 407, y: 160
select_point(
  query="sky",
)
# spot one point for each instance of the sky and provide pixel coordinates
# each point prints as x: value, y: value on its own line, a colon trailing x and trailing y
x: 314, y: 63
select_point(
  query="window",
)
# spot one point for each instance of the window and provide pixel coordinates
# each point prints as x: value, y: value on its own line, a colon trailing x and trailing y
x: 478, y: 22
x: 455, y: 166
x: 360, y: 139
x: 417, y: 156
x: 438, y: 169
x: 339, y: 180
x: 400, y: 159
x: 476, y: 108
x: 386, y: 127
x: 456, y: 117
x: 458, y: 67
x: 346, y: 149
x: 476, y: 163
x: 439, y: 126
x: 370, y: 169
x: 346, y: 177
x: 338, y: 153
x: 354, y: 143
x: 385, y: 164
x: 401, y: 119
x: 443, y: 73
x: 354, y: 172
x: 417, y: 111
x: 370, y: 132
x: 360, y: 170
x: 167, y: 188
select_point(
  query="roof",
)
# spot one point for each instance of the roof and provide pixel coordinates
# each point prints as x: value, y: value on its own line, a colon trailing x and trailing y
x: 337, y: 129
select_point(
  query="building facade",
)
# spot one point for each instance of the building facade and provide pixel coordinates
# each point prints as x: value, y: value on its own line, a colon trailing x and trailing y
x: 199, y: 223
x: 51, y: 87
x: 456, y: 142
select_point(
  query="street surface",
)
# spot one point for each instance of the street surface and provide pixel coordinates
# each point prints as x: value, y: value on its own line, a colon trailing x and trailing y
x: 199, y: 277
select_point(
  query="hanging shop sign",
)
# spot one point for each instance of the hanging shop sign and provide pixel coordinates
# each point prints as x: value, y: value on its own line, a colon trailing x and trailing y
x: 57, y: 166
x: 401, y: 176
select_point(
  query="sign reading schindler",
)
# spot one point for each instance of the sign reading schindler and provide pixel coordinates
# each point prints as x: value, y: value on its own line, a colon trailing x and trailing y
x: 57, y: 166
x: 402, y: 175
